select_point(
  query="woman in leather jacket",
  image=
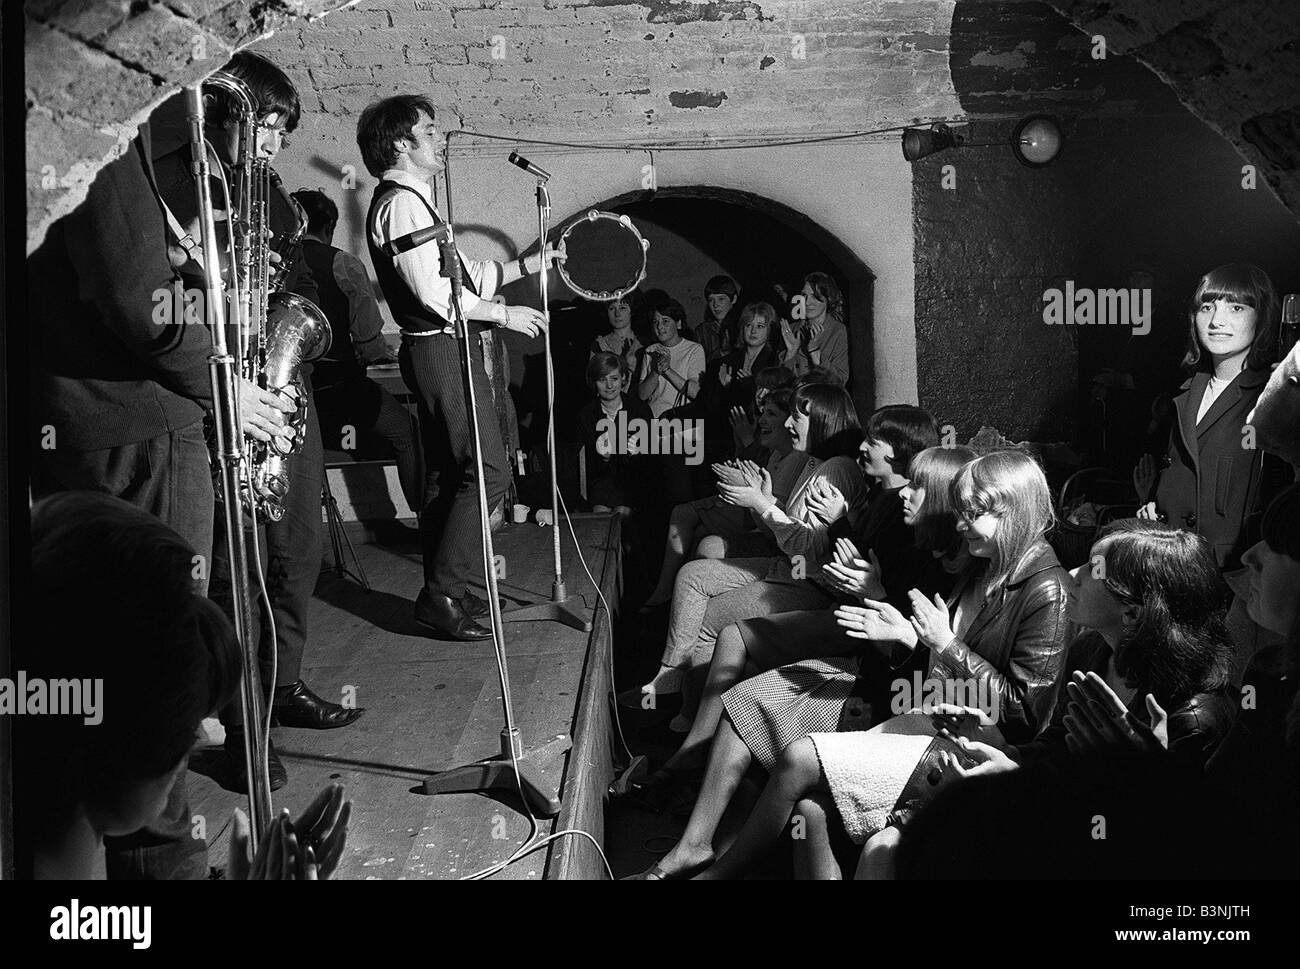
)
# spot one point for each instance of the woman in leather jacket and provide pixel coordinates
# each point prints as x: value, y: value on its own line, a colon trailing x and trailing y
x: 1003, y: 642
x: 1156, y: 659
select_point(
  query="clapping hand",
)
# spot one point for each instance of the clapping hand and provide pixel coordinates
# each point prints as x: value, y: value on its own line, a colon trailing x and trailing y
x: 1097, y: 721
x: 307, y: 850
x: 323, y: 828
x: 825, y: 501
x: 876, y: 620
x: 930, y: 619
x: 752, y: 494
x: 742, y: 428
x: 988, y: 760
x: 728, y: 472
x: 279, y: 857
x: 853, y: 576
x: 724, y: 375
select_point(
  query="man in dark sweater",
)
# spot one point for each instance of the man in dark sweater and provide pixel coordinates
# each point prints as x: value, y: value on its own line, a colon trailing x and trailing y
x: 120, y: 389
x: 293, y: 544
x: 344, y: 395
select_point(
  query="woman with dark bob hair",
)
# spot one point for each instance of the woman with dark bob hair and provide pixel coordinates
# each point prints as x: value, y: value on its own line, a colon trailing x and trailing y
x: 1214, y: 476
x: 709, y: 594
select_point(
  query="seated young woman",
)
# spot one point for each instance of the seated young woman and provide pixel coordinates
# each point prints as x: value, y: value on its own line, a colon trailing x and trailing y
x: 1152, y: 608
x: 714, y: 528
x: 620, y: 339
x: 729, y: 380
x: 166, y: 657
x: 894, y: 435
x: 1003, y: 636
x: 769, y: 710
x: 744, y: 420
x: 762, y: 643
x: 614, y: 474
x: 708, y: 594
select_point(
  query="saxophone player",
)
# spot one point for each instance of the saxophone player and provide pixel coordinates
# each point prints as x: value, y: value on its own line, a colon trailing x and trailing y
x: 119, y: 397
x: 293, y: 544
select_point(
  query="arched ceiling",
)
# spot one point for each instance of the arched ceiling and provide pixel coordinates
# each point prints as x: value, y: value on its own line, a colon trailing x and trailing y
x: 667, y: 69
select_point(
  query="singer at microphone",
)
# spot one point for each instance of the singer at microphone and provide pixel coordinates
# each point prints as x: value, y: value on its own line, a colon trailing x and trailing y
x: 402, y: 147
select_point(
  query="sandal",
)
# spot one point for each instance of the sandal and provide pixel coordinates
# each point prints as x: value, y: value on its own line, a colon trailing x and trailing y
x: 655, y: 873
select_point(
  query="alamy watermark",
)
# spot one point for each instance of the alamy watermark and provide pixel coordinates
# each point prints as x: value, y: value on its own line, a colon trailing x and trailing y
x: 658, y: 435
x: 926, y: 693
x: 25, y: 696
x: 1098, y: 307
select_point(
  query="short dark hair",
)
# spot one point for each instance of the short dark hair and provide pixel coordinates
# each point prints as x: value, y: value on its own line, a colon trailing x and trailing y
x: 270, y: 86
x: 672, y: 309
x: 386, y: 122
x: 166, y: 654
x: 833, y: 426
x: 774, y: 378
x: 1237, y: 282
x: 1180, y: 645
x: 602, y: 364
x: 320, y: 208
x: 907, y: 429
x: 826, y: 289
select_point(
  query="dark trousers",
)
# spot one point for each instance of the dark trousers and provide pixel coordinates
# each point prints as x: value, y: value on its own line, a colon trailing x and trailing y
x: 291, y: 551
x: 450, y: 531
x: 170, y: 477
x: 369, y: 409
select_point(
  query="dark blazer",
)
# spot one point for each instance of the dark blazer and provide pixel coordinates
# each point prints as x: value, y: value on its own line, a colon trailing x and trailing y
x: 1196, y: 726
x: 617, y: 478
x: 1213, y: 483
x: 1015, y: 647
x: 110, y: 368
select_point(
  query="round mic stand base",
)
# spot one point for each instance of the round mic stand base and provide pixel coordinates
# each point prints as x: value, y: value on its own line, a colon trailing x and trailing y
x: 566, y: 609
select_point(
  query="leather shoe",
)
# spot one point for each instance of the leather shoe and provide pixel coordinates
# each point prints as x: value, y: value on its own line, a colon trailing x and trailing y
x: 297, y: 706
x: 275, y: 768
x: 475, y: 607
x: 448, y: 618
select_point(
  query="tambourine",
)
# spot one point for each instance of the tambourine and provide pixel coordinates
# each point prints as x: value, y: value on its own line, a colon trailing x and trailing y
x: 605, y: 256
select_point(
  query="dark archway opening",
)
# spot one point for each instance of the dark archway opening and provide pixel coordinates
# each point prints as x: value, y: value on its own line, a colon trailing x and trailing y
x: 695, y: 232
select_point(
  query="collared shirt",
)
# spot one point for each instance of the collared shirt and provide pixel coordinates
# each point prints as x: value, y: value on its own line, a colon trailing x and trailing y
x: 420, y: 268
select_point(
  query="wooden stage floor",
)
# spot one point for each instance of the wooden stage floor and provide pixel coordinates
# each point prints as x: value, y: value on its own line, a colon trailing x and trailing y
x: 432, y: 705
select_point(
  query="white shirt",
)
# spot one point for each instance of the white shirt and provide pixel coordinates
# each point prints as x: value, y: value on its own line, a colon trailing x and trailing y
x: 1212, y: 391
x: 399, y: 214
x: 687, y: 358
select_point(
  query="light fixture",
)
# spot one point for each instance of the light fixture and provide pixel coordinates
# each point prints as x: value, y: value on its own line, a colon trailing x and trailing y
x: 920, y: 142
x: 1036, y: 142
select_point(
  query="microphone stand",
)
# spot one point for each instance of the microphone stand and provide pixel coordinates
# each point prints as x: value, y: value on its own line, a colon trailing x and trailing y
x: 512, y: 769
x: 564, y: 608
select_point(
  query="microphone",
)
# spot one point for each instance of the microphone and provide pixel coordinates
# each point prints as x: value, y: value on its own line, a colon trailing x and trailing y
x: 522, y: 162
x: 413, y: 240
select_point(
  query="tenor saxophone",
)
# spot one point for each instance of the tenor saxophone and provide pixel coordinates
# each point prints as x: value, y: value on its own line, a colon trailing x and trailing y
x: 294, y: 332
